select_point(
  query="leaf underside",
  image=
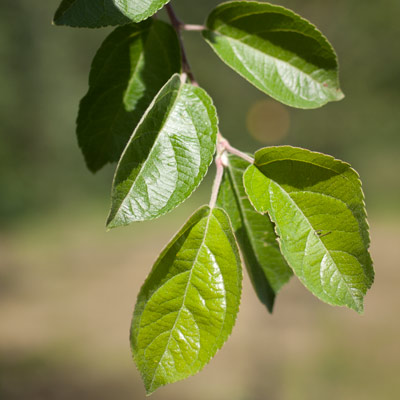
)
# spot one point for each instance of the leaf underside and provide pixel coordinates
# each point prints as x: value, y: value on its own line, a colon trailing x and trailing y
x: 188, y: 305
x: 97, y: 14
x: 167, y: 156
x: 255, y: 233
x: 277, y: 51
x: 129, y: 69
x: 317, y: 205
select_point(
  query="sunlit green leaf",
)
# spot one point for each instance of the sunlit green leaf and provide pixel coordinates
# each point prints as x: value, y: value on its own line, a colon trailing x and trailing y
x: 167, y: 156
x: 131, y: 66
x: 277, y: 51
x: 99, y: 13
x: 317, y: 205
x: 255, y: 233
x: 188, y: 305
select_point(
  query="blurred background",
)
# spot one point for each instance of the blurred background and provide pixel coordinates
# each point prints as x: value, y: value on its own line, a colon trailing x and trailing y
x: 68, y: 288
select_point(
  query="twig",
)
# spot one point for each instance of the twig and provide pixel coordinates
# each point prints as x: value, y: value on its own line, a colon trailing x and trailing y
x: 192, y: 27
x: 217, y: 181
x: 178, y: 26
x: 230, y: 149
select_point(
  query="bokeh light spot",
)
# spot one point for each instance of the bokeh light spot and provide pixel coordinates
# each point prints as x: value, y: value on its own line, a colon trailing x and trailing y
x: 268, y: 121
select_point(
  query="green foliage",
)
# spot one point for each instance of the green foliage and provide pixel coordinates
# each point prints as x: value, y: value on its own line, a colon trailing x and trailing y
x: 131, y: 66
x: 317, y: 205
x: 187, y: 307
x: 255, y: 233
x: 290, y: 209
x: 97, y: 14
x: 277, y: 51
x: 167, y: 156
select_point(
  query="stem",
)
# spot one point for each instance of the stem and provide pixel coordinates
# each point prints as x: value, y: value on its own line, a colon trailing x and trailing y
x: 178, y: 25
x: 175, y: 21
x: 225, y: 145
x: 217, y: 181
x: 192, y: 27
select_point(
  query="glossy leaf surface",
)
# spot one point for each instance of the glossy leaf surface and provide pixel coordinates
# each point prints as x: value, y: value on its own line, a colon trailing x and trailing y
x: 96, y: 13
x: 129, y: 69
x: 277, y: 51
x: 255, y: 233
x: 188, y: 305
x: 317, y: 205
x: 167, y: 156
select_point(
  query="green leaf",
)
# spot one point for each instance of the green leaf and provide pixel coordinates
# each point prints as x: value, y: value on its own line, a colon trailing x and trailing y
x: 129, y: 69
x: 188, y: 305
x: 277, y: 51
x: 255, y: 233
x: 167, y: 156
x: 317, y: 205
x: 97, y: 14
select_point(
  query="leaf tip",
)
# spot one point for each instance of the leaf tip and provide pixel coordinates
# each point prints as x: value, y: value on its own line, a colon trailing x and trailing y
x: 339, y: 95
x: 55, y: 22
x: 358, y: 307
x: 270, y: 307
x: 93, y: 168
x: 151, y: 385
x: 149, y: 391
x: 110, y: 223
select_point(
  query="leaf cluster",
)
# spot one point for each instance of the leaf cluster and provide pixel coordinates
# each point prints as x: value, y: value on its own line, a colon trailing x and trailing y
x: 286, y: 211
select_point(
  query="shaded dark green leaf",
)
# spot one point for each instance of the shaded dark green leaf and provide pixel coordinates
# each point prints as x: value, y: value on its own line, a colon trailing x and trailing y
x: 129, y: 69
x: 255, y: 233
x: 97, y: 14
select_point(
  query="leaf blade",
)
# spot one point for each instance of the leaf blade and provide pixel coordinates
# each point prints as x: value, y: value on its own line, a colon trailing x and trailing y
x: 255, y: 233
x: 277, y: 51
x: 317, y: 205
x: 140, y: 10
x: 188, y: 305
x: 96, y: 14
x: 129, y: 69
x: 167, y: 156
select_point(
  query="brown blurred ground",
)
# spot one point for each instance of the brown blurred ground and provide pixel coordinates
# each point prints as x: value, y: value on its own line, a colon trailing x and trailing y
x: 69, y: 293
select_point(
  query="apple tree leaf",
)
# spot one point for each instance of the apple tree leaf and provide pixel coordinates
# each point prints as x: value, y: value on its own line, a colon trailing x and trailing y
x: 277, y: 51
x: 97, y: 14
x: 129, y: 69
x: 167, y: 156
x: 188, y: 305
x: 317, y: 205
